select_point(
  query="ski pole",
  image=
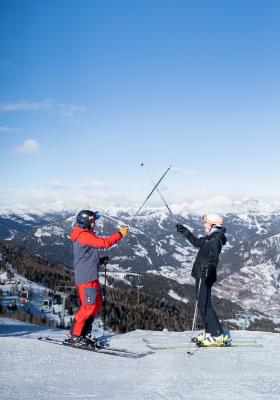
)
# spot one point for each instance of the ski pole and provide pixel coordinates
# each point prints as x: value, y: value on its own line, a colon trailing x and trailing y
x: 104, y: 300
x: 159, y: 192
x: 194, y: 316
x: 147, y: 198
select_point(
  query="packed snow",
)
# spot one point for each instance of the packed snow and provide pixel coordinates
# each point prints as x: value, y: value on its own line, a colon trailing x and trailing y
x: 31, y: 369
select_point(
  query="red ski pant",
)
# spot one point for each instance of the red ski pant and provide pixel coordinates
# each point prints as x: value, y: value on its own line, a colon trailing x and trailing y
x: 91, y: 304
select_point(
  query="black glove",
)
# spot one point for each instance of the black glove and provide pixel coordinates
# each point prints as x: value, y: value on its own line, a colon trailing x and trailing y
x: 181, y: 229
x: 104, y: 260
x: 211, y: 276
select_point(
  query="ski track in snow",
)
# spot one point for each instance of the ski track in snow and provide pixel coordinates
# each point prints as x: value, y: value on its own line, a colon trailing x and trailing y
x: 31, y: 369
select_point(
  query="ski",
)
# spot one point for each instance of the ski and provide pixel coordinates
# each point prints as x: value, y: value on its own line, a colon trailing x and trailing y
x: 105, y: 350
x: 186, y: 346
x: 233, y: 345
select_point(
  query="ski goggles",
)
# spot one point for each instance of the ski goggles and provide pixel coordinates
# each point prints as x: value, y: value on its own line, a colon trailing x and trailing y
x: 97, y: 214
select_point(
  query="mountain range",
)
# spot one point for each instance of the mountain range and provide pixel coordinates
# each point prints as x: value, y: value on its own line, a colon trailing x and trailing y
x: 248, y: 272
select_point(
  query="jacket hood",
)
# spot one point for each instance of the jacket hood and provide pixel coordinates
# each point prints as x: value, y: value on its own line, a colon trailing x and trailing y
x: 219, y: 232
x: 76, y: 232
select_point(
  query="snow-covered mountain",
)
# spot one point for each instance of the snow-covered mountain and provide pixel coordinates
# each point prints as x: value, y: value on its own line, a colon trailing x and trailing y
x: 249, y: 271
x: 32, y: 369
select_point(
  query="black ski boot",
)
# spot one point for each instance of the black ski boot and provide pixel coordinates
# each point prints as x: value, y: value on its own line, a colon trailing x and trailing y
x: 77, y: 341
x: 94, y: 342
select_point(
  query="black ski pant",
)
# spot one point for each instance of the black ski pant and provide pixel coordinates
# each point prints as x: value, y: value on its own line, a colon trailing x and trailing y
x: 208, y: 314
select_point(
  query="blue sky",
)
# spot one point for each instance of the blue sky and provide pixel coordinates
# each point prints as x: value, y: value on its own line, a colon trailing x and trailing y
x: 90, y: 89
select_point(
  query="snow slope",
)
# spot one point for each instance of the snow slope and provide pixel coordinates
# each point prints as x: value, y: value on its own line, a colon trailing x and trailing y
x: 35, y: 370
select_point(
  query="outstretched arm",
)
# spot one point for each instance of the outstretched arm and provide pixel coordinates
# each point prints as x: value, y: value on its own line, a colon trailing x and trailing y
x: 196, y: 242
x: 89, y: 239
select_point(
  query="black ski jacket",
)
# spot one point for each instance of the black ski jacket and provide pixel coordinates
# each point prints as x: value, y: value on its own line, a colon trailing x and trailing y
x: 207, y: 258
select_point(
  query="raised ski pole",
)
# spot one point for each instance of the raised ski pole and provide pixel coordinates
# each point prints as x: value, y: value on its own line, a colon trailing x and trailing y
x: 194, y: 317
x: 159, y: 192
x: 104, y: 300
x: 147, y: 198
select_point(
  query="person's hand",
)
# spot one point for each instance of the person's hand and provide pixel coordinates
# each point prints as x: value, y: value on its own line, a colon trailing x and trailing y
x: 104, y: 260
x: 124, y: 231
x: 180, y: 228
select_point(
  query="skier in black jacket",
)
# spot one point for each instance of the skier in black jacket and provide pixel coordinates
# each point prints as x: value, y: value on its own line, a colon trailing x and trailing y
x: 204, y: 271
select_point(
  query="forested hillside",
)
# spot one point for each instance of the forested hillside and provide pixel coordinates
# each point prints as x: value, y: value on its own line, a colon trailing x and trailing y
x: 133, y: 301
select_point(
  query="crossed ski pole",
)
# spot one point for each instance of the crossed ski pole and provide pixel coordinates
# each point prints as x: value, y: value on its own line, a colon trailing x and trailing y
x: 143, y: 204
x: 159, y: 192
x: 147, y: 198
x: 131, y: 222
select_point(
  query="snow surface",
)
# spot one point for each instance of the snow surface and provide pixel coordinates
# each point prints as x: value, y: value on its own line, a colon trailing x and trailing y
x: 49, y: 231
x: 175, y: 296
x: 31, y: 369
x: 182, y: 275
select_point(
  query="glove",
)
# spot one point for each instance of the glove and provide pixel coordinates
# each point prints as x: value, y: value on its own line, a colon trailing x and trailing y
x: 181, y: 229
x: 124, y: 231
x: 104, y: 260
x: 211, y: 276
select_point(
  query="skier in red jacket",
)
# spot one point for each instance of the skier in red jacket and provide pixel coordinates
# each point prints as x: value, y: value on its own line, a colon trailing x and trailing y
x: 86, y: 264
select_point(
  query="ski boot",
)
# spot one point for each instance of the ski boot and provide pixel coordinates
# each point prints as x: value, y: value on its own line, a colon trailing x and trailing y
x: 227, y: 338
x: 216, y: 341
x: 200, y: 337
x: 76, y: 341
x: 95, y: 343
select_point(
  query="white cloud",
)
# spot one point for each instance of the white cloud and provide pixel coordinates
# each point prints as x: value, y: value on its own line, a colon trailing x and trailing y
x: 86, y: 185
x: 92, y: 185
x: 26, y: 106
x: 190, y: 171
x: 30, y: 146
x: 61, y: 109
x: 219, y: 204
x: 8, y: 129
x: 68, y: 110
x: 40, y: 196
x: 57, y: 185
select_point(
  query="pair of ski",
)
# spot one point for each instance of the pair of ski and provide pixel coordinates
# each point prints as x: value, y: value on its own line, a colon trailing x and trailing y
x: 103, y: 350
x: 198, y: 345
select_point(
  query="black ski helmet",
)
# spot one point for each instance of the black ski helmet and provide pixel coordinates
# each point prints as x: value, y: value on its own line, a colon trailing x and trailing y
x: 85, y: 217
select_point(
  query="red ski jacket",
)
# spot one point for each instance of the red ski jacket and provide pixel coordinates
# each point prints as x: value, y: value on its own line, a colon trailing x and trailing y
x: 86, y: 255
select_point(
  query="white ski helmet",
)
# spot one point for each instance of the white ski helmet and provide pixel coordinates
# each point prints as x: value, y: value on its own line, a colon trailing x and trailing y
x: 213, y: 219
